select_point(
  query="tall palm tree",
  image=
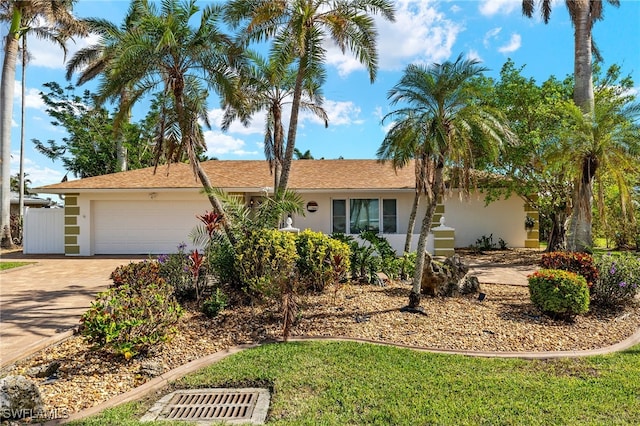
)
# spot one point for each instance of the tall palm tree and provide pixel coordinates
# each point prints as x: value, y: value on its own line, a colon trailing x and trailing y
x: 440, y: 101
x: 608, y: 142
x: 92, y: 61
x: 60, y: 25
x: 268, y: 85
x: 401, y: 145
x: 164, y: 54
x: 299, y: 28
x: 584, y: 14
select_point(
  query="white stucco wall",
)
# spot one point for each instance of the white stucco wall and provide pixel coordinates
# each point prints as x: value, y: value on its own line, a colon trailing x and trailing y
x: 472, y: 219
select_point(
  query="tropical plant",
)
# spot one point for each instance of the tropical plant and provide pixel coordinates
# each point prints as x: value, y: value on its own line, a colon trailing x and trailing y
x: 89, y: 149
x: 24, y: 17
x: 606, y: 141
x: 268, y: 85
x: 299, y: 29
x: 163, y: 53
x: 400, y: 145
x: 91, y: 61
x: 442, y: 102
x: 584, y: 14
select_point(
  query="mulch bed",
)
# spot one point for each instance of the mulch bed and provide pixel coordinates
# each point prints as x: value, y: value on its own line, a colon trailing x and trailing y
x: 504, y: 321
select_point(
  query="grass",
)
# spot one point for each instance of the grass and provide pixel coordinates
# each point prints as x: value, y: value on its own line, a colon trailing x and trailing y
x: 337, y: 383
x: 9, y: 265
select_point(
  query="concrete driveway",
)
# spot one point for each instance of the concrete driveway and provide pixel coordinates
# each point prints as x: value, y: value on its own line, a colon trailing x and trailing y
x: 47, y: 297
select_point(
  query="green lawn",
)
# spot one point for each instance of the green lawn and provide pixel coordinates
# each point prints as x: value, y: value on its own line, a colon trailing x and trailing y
x: 338, y: 383
x: 8, y: 265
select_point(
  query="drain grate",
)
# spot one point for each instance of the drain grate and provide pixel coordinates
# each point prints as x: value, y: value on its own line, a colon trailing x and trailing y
x: 233, y: 406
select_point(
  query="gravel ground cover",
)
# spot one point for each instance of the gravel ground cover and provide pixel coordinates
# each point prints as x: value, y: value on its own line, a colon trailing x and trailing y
x: 504, y: 321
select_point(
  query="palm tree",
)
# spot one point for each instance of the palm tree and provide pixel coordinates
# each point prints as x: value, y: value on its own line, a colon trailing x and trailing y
x: 440, y: 102
x: 60, y: 25
x: 303, y: 155
x: 401, y: 145
x: 268, y: 85
x: 584, y: 14
x: 299, y: 28
x: 92, y: 61
x: 162, y: 53
x: 607, y: 142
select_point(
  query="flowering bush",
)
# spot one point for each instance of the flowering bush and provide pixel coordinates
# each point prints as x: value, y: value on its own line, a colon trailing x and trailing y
x: 619, y: 280
x: 136, y: 274
x: 559, y: 292
x: 579, y: 263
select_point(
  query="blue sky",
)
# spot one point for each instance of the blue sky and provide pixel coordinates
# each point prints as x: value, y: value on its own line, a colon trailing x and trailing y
x: 424, y: 32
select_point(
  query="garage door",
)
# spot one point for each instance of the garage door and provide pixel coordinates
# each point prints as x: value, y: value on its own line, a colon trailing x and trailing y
x: 144, y: 227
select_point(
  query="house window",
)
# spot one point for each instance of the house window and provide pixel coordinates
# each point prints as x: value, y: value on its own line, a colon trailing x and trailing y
x: 340, y: 216
x: 364, y: 215
x: 389, y: 217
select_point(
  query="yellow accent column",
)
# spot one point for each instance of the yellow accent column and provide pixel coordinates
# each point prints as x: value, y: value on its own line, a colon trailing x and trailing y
x: 443, y: 239
x: 71, y: 227
x: 533, y: 234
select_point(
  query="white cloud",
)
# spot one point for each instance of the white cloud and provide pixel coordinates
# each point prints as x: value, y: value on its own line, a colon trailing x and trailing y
x: 219, y: 143
x: 38, y: 174
x: 420, y: 33
x: 256, y: 126
x: 46, y: 54
x: 514, y: 44
x: 473, y: 54
x: 340, y: 113
x: 32, y: 97
x: 490, y: 35
x: 492, y: 7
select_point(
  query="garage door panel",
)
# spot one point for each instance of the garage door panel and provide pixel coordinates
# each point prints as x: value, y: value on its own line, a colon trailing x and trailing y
x: 143, y: 227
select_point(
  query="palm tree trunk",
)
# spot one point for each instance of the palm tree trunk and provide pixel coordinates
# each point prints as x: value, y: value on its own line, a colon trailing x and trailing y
x: 6, y: 110
x: 579, y: 236
x: 215, y: 203
x: 432, y: 199
x: 23, y: 85
x: 293, y: 128
x: 412, y: 222
x: 583, y: 90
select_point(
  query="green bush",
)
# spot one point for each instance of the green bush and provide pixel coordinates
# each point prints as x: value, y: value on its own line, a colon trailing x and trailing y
x: 559, y: 293
x: 579, y: 263
x: 215, y: 303
x: 322, y: 260
x: 136, y: 275
x: 264, y: 259
x: 129, y: 320
x: 619, y: 280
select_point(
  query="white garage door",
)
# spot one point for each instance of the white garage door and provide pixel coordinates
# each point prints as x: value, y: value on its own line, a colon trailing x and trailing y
x: 144, y: 227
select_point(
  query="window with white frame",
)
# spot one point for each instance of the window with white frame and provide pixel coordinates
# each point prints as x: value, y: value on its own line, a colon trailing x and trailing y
x: 364, y: 214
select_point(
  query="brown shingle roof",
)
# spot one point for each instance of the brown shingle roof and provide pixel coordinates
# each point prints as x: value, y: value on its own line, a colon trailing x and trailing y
x: 249, y: 175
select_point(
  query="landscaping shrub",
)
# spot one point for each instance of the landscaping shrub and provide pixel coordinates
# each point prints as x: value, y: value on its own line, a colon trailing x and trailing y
x: 136, y: 274
x: 322, y: 260
x: 174, y: 268
x: 215, y: 303
x: 559, y: 293
x: 579, y: 263
x: 130, y: 319
x: 264, y: 259
x: 619, y: 280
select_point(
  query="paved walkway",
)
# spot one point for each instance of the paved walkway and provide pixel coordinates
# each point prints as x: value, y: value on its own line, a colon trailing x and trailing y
x: 46, y: 298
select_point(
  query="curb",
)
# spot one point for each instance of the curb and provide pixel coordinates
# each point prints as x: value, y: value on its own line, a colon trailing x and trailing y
x: 163, y: 380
